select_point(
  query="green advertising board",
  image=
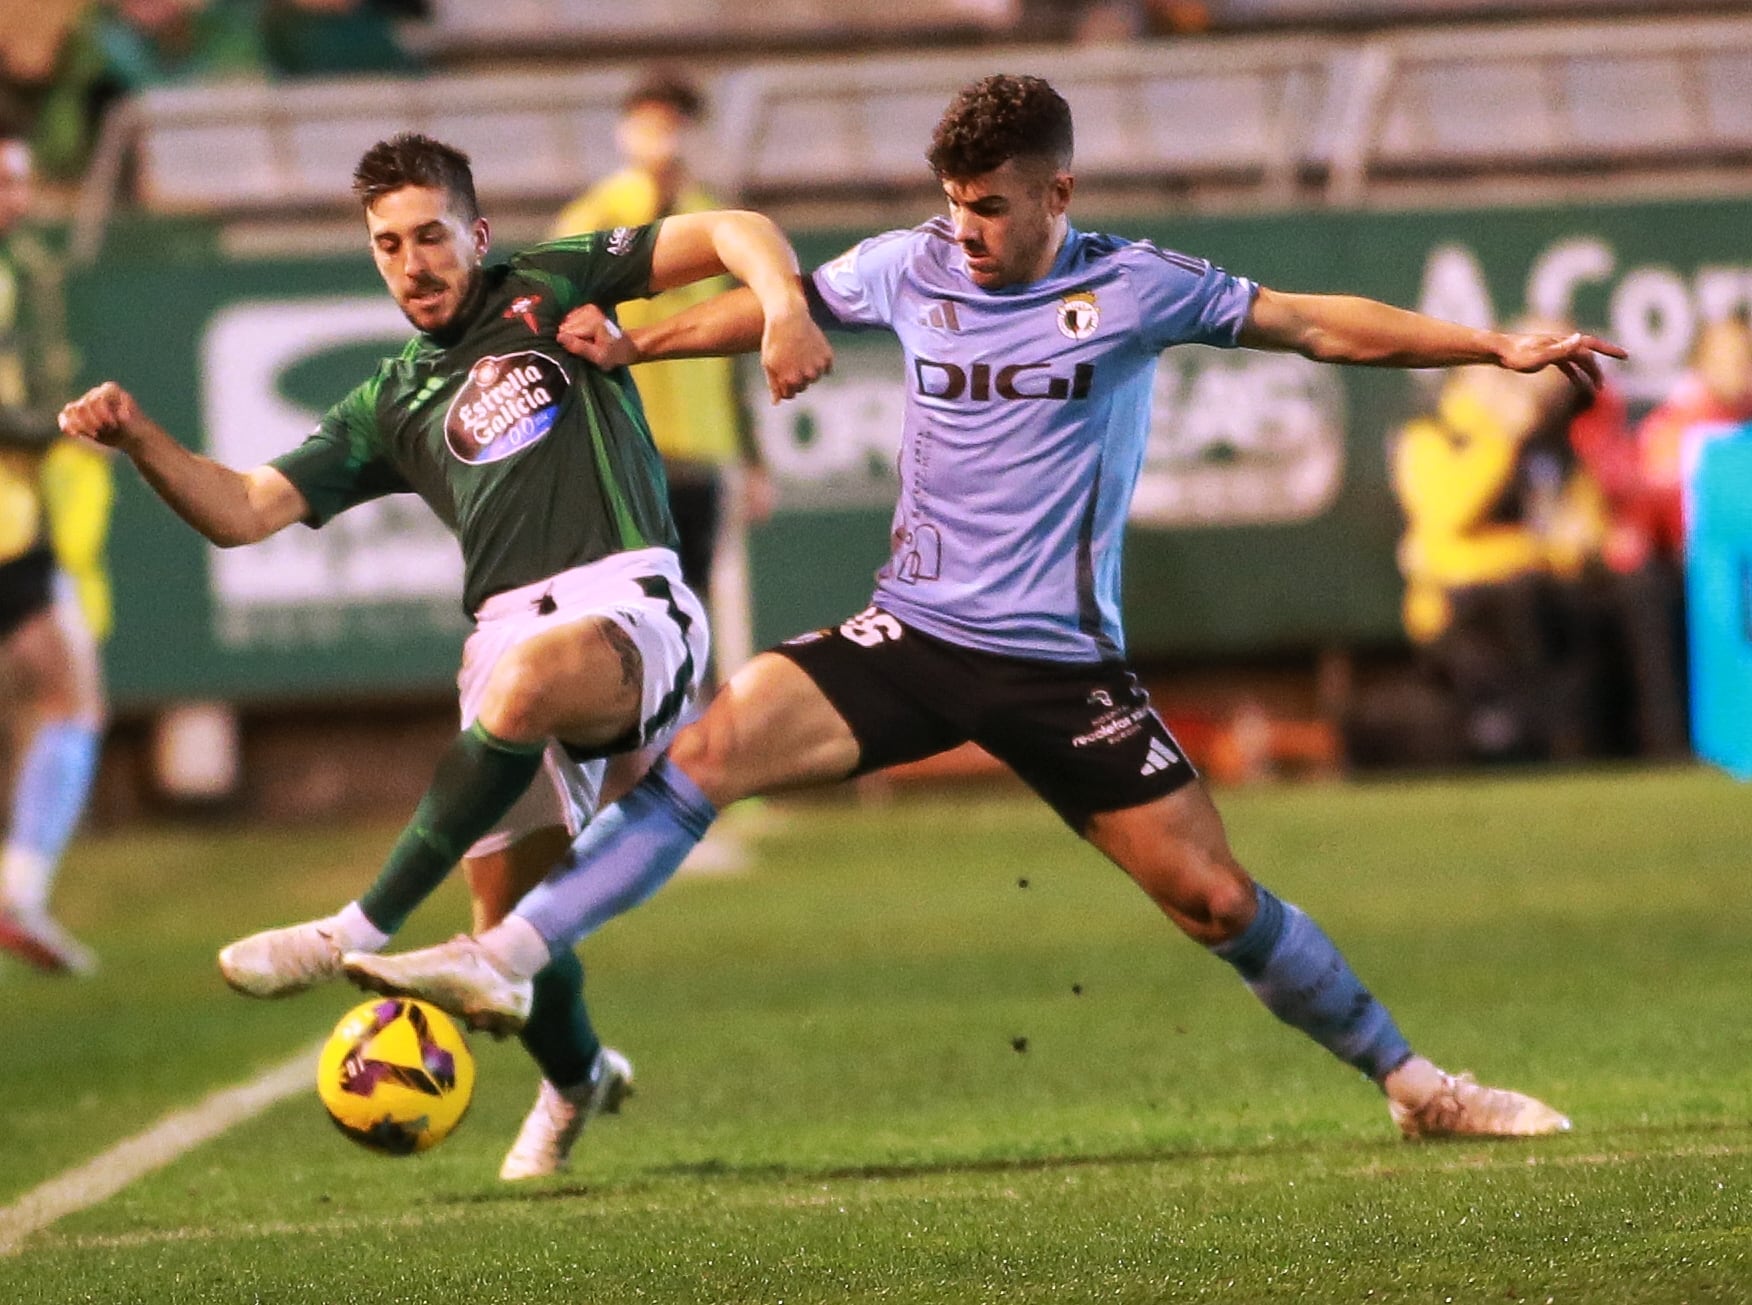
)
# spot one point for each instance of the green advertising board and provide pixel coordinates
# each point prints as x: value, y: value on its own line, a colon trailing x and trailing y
x: 1263, y: 521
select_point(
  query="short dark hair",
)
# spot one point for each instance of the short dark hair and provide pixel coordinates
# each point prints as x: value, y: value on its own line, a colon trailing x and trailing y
x: 671, y: 88
x: 410, y: 159
x: 997, y: 119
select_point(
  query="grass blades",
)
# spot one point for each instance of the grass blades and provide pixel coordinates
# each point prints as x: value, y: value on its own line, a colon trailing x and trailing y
x: 832, y: 1104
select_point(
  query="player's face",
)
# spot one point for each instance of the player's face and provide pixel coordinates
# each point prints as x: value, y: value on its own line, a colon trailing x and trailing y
x: 428, y: 254
x: 15, y: 185
x: 1009, y: 221
x: 652, y: 137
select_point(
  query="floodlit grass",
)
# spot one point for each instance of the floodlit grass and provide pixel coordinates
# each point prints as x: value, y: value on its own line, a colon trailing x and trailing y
x: 831, y: 1105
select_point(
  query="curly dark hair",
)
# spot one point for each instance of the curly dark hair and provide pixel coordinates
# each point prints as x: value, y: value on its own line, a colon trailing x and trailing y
x: 410, y: 159
x: 997, y: 119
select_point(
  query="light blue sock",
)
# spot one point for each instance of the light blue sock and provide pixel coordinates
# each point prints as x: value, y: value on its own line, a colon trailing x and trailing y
x: 623, y: 856
x: 53, y: 786
x: 1303, y: 979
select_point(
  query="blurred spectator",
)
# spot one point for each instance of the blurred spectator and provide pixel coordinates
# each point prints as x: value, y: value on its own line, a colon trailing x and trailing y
x: 1502, y: 524
x: 321, y: 38
x: 30, y: 42
x: 54, y: 594
x: 1643, y: 478
x: 126, y: 46
x: 1109, y: 22
x: 693, y: 406
x: 1716, y: 389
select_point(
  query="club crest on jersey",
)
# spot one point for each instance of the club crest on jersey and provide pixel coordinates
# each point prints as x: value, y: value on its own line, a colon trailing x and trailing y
x: 524, y: 307
x: 508, y: 403
x: 1078, y: 317
x: 621, y: 239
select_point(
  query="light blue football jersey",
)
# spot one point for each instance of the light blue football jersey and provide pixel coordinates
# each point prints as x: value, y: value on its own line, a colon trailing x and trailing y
x: 1027, y: 412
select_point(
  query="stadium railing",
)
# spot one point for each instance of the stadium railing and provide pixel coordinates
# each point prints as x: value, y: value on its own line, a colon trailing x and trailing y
x: 1161, y: 110
x: 255, y: 148
x: 1327, y: 120
x: 1561, y: 97
x: 468, y: 28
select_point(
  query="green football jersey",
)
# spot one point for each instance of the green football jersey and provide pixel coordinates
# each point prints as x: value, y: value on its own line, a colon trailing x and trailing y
x: 538, y: 461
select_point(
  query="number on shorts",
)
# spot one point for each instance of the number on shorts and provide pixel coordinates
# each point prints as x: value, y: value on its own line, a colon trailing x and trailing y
x: 871, y: 627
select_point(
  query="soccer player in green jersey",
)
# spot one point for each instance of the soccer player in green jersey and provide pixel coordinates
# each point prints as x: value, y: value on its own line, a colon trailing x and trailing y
x: 587, y: 646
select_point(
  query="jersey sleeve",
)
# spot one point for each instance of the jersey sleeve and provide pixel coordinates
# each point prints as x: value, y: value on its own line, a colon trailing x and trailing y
x: 1187, y: 300
x: 596, y: 267
x: 857, y: 290
x: 342, y: 465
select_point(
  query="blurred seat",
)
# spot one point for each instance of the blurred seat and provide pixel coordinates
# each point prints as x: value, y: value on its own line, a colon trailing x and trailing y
x: 1565, y: 95
x: 221, y: 150
x: 465, y: 27
x: 1273, y: 119
x: 1242, y: 109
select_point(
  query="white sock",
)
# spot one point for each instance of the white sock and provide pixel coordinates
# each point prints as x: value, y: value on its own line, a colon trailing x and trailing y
x: 24, y: 881
x: 1414, y: 1082
x: 517, y: 947
x: 355, y: 931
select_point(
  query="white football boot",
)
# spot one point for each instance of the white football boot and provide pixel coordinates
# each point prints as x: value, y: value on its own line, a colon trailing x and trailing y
x: 459, y: 976
x: 1463, y: 1107
x: 281, y: 962
x: 37, y: 937
x: 544, y: 1143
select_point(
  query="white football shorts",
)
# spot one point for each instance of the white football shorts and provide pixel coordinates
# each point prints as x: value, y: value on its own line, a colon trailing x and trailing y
x: 640, y: 591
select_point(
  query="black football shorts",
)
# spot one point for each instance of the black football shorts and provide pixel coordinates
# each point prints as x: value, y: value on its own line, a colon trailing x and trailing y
x: 27, y: 586
x: 1080, y: 734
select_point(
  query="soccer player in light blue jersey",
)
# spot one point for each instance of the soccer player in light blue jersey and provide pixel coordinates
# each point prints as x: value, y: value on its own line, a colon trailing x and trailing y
x: 1029, y: 350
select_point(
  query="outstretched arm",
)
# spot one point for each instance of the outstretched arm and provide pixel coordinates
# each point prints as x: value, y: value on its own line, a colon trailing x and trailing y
x: 730, y: 323
x: 1350, y: 329
x: 228, y: 507
x: 752, y: 249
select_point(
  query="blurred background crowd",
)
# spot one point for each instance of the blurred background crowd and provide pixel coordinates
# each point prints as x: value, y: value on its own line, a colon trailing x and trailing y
x: 1454, y: 569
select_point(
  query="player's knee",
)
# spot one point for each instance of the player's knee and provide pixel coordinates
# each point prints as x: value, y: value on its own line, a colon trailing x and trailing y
x: 1210, y: 898
x: 693, y: 755
x: 704, y: 751
x: 516, y: 703
x: 1229, y: 903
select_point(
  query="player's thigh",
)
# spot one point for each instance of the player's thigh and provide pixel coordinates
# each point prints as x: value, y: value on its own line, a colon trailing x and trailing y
x: 581, y: 680
x: 1175, y: 848
x: 498, y: 880
x: 45, y: 665
x: 769, y: 729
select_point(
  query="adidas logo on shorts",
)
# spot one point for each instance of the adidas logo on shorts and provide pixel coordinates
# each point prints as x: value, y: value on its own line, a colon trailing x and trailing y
x: 1160, y: 757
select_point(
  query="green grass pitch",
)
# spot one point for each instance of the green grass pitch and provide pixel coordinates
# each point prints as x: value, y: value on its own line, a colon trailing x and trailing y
x: 833, y: 1106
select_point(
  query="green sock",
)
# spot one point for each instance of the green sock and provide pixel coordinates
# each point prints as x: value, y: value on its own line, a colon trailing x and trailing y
x: 478, y: 780
x: 558, y: 1033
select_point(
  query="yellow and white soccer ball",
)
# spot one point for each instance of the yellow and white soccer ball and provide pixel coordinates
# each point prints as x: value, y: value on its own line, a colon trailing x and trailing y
x: 396, y: 1075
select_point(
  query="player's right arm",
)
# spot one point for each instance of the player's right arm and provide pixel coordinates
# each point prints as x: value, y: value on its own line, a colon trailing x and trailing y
x: 727, y: 323
x: 855, y: 291
x: 229, y: 507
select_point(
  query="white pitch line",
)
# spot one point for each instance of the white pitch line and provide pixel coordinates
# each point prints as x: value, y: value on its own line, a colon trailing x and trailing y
x: 175, y: 1135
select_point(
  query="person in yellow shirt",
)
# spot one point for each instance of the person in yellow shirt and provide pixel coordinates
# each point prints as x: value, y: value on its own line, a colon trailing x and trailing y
x: 54, y: 595
x: 692, y: 404
x: 1501, y: 526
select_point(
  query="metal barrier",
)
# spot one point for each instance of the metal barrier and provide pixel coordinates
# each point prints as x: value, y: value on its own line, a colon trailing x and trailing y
x: 1271, y: 120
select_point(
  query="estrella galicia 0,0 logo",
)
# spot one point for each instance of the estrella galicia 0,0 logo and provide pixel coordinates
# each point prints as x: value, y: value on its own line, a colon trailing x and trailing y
x: 508, y: 403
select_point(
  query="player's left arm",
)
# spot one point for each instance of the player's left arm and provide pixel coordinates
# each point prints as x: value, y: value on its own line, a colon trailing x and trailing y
x: 1352, y: 329
x: 751, y: 248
